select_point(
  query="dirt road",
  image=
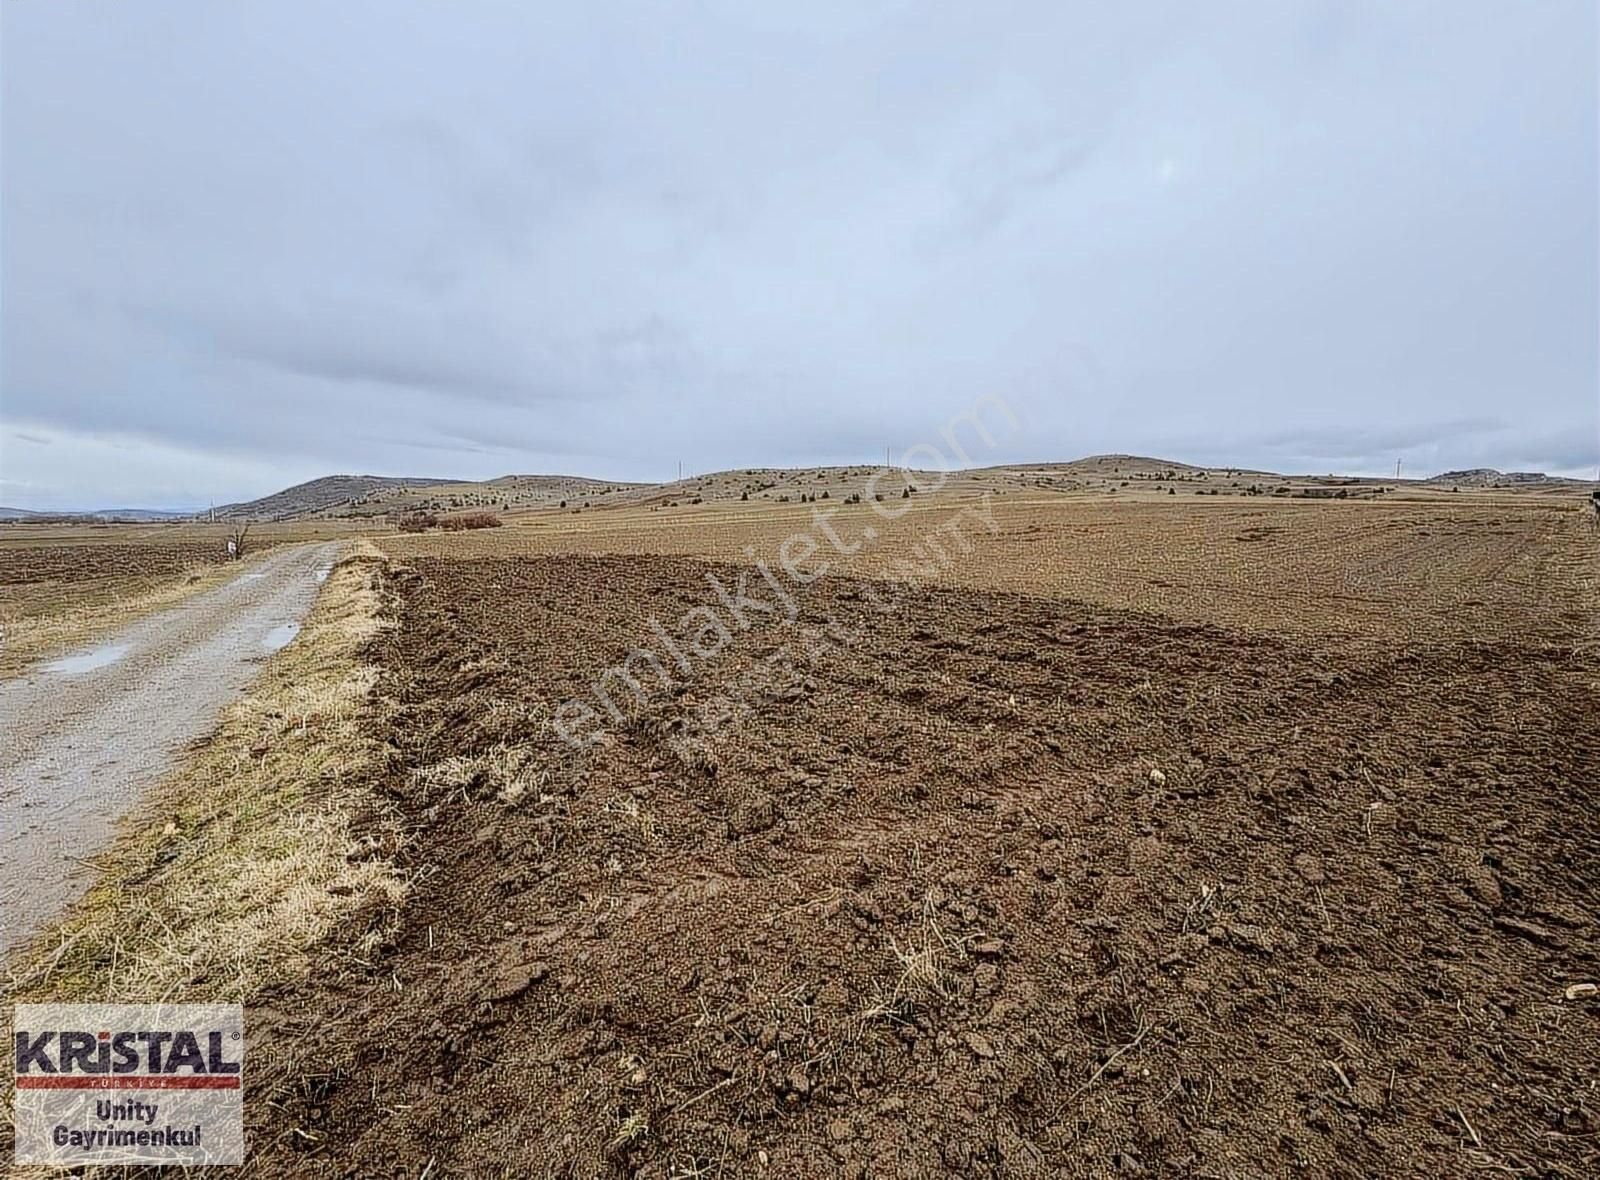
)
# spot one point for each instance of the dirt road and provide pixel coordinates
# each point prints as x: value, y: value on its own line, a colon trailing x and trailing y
x: 85, y: 735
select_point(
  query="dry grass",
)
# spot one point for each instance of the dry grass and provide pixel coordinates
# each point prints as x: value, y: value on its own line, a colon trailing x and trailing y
x: 228, y: 878
x: 925, y: 960
x: 631, y: 1129
x: 505, y: 772
x: 634, y: 815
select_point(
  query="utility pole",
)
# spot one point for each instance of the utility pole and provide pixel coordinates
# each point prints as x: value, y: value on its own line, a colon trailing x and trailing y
x: 1397, y: 468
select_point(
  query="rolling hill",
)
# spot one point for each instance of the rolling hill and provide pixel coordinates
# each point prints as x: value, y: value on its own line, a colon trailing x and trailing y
x: 321, y: 495
x: 385, y: 496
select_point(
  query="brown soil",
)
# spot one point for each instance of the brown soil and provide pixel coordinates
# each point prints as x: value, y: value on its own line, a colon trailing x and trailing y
x: 78, y: 563
x: 986, y: 885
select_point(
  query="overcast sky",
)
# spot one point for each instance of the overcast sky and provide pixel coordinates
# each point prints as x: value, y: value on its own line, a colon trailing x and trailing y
x: 249, y: 244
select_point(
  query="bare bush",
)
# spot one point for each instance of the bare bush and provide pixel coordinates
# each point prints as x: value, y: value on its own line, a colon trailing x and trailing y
x: 417, y: 522
x: 469, y: 520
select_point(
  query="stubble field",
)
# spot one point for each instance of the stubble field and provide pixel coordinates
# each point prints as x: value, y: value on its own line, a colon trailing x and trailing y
x: 1460, y: 566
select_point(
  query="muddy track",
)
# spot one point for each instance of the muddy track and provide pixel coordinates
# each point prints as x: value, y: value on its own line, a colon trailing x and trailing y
x: 85, y: 735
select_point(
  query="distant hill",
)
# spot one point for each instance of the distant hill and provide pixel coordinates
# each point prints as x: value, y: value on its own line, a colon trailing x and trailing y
x: 388, y: 496
x: 131, y: 515
x: 1488, y: 477
x: 1125, y: 465
x: 138, y: 514
x: 320, y: 495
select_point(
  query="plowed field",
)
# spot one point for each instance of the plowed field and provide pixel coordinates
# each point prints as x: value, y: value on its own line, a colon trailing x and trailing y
x: 952, y: 881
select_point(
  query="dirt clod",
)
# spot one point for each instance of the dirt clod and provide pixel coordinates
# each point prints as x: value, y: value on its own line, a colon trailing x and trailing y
x: 753, y: 815
x: 1310, y: 869
x: 1532, y: 931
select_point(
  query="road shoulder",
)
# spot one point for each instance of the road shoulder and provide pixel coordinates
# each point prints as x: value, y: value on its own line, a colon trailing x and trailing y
x: 232, y: 870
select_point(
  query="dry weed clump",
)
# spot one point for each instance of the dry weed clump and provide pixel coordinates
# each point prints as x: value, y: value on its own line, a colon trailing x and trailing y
x: 417, y: 522
x: 243, y: 860
x: 464, y: 521
x: 503, y: 771
x: 925, y: 960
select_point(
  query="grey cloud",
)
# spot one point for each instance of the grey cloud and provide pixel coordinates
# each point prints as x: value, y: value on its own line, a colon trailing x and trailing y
x: 1574, y: 450
x: 268, y: 241
x: 372, y: 348
x: 1358, y: 439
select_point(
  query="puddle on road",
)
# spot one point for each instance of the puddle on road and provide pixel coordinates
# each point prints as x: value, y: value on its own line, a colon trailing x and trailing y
x: 280, y: 636
x: 89, y: 660
x: 322, y: 572
x: 251, y: 577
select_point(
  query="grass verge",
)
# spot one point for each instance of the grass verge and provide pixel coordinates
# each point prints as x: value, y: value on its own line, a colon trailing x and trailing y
x: 231, y: 873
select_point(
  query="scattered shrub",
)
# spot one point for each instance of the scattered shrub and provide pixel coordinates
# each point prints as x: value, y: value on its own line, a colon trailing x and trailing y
x: 417, y: 522
x: 469, y: 520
